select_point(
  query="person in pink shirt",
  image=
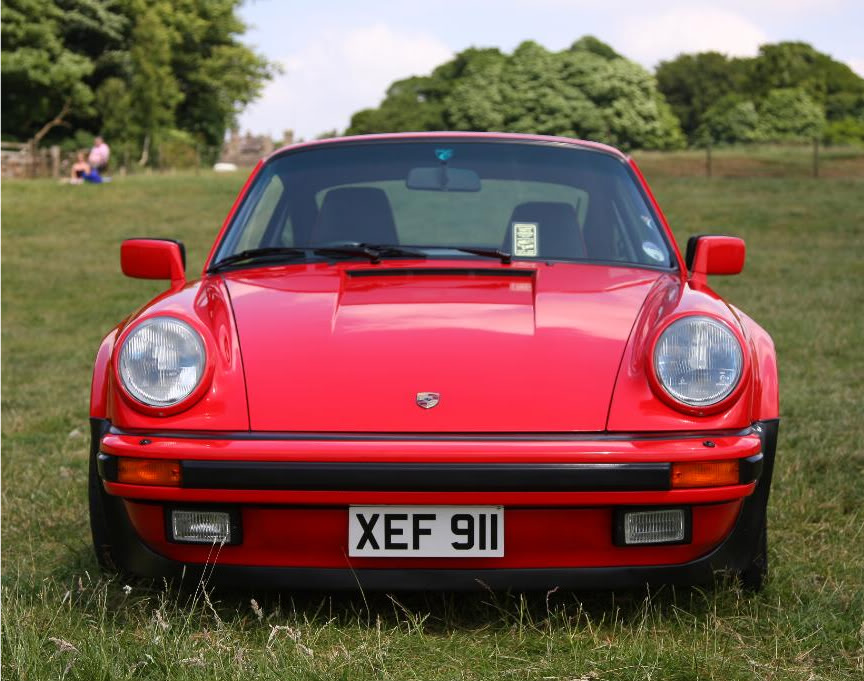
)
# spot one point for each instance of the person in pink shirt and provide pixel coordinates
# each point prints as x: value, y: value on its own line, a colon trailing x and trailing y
x: 99, y: 155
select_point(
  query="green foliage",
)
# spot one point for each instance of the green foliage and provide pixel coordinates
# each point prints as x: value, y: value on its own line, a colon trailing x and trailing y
x: 131, y: 69
x: 692, y: 83
x: 695, y: 85
x: 790, y: 114
x: 219, y: 75
x: 576, y: 92
x: 586, y: 91
x: 845, y: 131
x: 152, y: 86
x: 842, y: 105
x: 588, y: 43
x: 798, y: 65
x: 178, y: 149
x: 730, y: 119
x: 42, y: 77
x: 418, y: 103
x: 784, y: 115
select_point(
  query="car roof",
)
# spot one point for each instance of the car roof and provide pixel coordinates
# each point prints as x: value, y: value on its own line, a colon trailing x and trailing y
x: 488, y: 136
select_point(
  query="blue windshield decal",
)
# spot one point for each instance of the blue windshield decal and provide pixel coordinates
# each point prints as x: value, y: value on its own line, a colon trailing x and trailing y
x: 444, y: 155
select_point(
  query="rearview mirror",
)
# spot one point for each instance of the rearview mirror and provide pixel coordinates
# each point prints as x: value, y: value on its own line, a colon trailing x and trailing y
x: 714, y: 254
x: 443, y: 179
x: 154, y: 259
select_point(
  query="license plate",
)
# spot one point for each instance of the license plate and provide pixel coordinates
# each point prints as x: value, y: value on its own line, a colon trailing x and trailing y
x: 426, y: 531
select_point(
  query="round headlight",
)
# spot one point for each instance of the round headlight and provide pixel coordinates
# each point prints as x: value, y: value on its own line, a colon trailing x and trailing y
x: 698, y: 361
x: 162, y: 361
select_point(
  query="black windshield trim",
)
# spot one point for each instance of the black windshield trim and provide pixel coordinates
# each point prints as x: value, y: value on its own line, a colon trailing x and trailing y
x: 455, y: 139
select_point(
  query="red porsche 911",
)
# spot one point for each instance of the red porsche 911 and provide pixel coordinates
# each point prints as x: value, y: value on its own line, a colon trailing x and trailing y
x: 437, y: 361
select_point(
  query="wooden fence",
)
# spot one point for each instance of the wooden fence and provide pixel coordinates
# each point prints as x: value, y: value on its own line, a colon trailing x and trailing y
x: 23, y: 160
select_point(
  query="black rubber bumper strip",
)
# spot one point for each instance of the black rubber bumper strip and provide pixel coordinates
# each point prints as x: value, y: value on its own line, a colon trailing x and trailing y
x: 422, y: 477
x: 414, y: 477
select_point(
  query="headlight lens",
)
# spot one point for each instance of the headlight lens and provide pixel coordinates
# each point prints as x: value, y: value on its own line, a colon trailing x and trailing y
x: 162, y: 361
x: 698, y: 361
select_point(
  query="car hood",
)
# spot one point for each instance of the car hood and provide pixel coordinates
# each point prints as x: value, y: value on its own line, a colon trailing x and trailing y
x: 350, y: 347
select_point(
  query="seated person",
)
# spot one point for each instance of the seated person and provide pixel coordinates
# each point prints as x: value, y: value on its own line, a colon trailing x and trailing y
x: 83, y: 172
x: 79, y: 169
x: 99, y: 155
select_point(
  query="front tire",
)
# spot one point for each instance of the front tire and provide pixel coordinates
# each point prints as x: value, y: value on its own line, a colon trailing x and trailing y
x: 754, y: 575
x: 99, y: 529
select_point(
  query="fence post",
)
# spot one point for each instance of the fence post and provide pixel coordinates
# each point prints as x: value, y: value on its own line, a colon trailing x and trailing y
x: 55, y: 161
x: 815, y: 157
x: 708, y: 169
x: 31, y: 152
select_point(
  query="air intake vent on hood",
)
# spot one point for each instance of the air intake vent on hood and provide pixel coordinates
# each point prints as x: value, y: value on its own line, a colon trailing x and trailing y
x: 440, y: 272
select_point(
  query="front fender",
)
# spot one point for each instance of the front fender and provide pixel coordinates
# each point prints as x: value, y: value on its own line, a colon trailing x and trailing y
x: 766, y: 383
x: 635, y: 406
x: 222, y: 405
x: 102, y: 376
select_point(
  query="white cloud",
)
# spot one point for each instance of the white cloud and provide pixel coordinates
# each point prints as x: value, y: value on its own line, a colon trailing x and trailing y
x: 342, y: 71
x: 689, y: 29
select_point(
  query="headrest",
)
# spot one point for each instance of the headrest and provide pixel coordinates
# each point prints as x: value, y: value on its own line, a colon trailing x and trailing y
x: 600, y: 230
x: 361, y: 214
x: 558, y: 233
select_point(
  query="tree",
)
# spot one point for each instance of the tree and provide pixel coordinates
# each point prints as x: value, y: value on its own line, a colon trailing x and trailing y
x: 576, y: 92
x: 418, y: 103
x: 588, y: 90
x: 845, y: 131
x: 692, y: 83
x: 44, y: 82
x: 790, y: 114
x: 730, y: 119
x: 152, y: 87
x: 130, y: 68
x: 698, y: 83
x: 798, y: 65
x: 218, y: 75
x: 406, y: 107
x: 588, y: 43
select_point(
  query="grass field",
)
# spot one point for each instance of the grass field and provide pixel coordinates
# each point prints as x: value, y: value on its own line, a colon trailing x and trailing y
x: 62, y: 289
x: 760, y: 160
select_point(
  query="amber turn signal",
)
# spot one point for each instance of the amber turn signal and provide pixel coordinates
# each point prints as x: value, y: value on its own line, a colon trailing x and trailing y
x: 705, y: 474
x: 149, y: 472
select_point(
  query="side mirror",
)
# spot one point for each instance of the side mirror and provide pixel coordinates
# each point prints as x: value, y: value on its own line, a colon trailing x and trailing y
x: 710, y: 254
x: 154, y: 259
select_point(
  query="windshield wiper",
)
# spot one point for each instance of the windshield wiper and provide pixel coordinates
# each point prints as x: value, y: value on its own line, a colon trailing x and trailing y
x: 351, y: 249
x: 259, y: 254
x: 505, y: 257
x: 371, y: 251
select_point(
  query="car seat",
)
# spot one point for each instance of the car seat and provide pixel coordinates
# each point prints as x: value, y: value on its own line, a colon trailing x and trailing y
x: 355, y: 214
x: 558, y: 233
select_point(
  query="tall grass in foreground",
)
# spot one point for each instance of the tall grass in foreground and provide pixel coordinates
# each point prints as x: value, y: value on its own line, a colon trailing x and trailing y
x: 62, y: 291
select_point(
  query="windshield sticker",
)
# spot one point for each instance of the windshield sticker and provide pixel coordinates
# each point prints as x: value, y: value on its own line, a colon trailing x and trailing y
x: 525, y: 239
x: 443, y: 155
x: 653, y: 251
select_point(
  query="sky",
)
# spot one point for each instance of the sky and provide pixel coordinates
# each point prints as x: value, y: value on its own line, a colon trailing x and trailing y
x: 339, y: 56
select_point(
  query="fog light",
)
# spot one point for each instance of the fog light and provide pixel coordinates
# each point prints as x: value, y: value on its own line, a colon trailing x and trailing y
x: 202, y: 527
x: 655, y: 527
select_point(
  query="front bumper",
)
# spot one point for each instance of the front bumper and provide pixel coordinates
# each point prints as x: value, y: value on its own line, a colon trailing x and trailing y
x: 294, y: 492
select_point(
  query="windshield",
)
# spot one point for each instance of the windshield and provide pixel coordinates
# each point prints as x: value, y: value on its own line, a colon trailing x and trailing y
x: 528, y: 201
